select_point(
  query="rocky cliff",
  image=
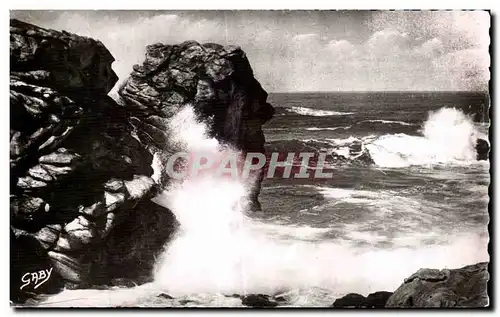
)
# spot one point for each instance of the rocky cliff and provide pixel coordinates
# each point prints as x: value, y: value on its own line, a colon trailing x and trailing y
x: 81, y: 176
x: 76, y: 169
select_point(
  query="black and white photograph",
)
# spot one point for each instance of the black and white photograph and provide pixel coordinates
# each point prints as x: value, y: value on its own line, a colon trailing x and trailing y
x: 243, y: 159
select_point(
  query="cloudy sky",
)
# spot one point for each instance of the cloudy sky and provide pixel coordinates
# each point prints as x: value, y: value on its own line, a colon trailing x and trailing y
x: 307, y: 50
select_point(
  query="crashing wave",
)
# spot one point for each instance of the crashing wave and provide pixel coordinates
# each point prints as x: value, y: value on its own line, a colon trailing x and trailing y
x: 448, y: 136
x: 388, y: 122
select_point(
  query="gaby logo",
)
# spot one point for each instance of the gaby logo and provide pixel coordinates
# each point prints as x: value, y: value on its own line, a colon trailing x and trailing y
x: 36, y: 278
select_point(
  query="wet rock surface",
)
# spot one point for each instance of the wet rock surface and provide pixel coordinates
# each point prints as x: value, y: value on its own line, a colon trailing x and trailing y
x: 76, y: 169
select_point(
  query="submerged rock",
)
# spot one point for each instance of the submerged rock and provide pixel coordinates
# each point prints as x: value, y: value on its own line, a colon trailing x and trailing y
x: 81, y: 176
x: 377, y: 299
x: 464, y: 287
x: 482, y: 150
x: 258, y: 300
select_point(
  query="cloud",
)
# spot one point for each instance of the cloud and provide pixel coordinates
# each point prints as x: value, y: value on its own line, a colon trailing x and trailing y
x: 458, y: 29
x: 380, y: 50
x: 305, y: 37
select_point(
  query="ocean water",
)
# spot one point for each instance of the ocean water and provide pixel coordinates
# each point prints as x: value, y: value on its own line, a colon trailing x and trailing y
x: 422, y: 204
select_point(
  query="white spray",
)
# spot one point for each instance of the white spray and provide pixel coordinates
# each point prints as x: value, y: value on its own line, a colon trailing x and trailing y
x: 448, y: 136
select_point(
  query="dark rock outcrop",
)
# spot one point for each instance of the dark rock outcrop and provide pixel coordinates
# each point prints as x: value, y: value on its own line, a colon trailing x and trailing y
x: 464, y: 287
x: 81, y: 162
x: 165, y: 296
x: 216, y: 80
x: 258, y: 301
x: 353, y: 300
x: 147, y: 228
x: 482, y: 150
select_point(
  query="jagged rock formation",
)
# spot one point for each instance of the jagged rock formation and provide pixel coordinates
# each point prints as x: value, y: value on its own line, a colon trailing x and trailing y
x: 482, y: 150
x: 81, y: 176
x: 353, y: 300
x: 353, y: 153
x: 216, y: 80
x: 464, y: 287
x: 76, y: 169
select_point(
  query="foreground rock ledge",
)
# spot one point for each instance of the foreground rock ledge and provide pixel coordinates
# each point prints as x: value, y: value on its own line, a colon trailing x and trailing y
x: 216, y: 80
x: 465, y: 287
